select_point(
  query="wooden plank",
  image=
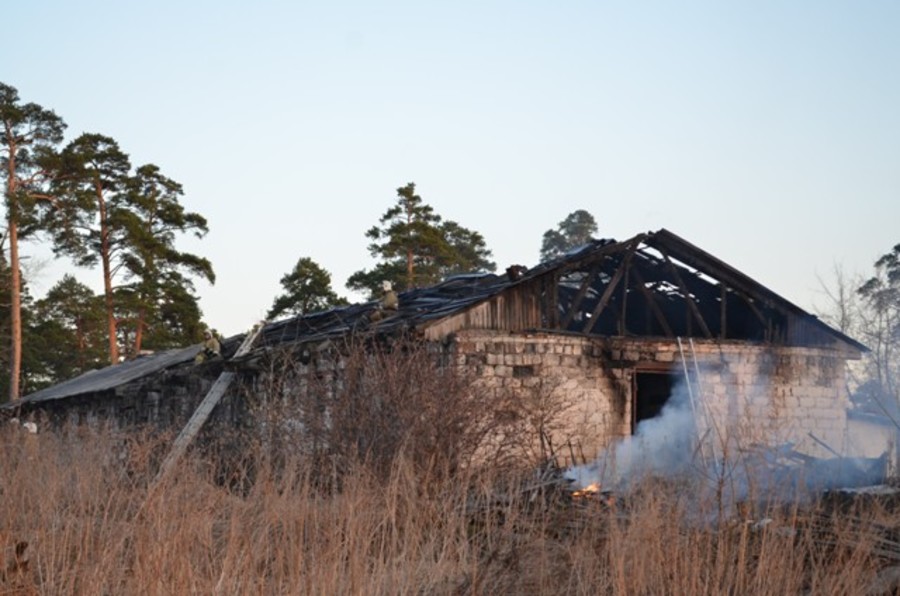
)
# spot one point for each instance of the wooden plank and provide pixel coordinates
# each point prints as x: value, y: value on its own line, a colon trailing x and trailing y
x: 552, y: 293
x: 203, y: 411
x: 623, y: 313
x: 762, y: 319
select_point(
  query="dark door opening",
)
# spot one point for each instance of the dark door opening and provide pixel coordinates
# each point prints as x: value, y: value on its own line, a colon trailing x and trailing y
x: 652, y: 390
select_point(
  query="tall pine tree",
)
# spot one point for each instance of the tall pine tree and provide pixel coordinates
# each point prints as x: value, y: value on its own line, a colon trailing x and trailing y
x: 28, y: 138
x: 158, y: 294
x: 94, y: 172
x: 307, y: 288
x: 575, y: 230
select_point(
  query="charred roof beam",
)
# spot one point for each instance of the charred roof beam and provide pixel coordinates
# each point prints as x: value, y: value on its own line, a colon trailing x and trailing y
x: 650, y: 297
x: 579, y: 297
x: 610, y: 288
x: 692, y: 305
x: 599, y: 254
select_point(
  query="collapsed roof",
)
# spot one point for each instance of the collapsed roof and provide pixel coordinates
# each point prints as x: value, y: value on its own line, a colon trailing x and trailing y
x: 655, y: 284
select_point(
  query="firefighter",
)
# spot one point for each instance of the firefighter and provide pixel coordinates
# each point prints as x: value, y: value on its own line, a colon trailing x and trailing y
x: 211, y: 348
x: 389, y: 300
x: 389, y: 303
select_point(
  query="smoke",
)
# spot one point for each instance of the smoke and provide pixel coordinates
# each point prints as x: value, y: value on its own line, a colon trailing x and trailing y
x: 665, y: 445
x: 690, y: 440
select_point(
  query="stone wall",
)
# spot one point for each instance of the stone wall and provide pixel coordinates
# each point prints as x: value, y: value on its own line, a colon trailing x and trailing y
x: 582, y: 389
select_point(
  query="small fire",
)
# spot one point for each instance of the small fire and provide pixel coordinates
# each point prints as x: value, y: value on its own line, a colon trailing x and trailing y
x: 587, y: 491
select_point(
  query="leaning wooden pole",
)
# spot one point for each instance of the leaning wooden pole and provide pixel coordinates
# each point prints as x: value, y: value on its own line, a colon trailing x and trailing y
x: 201, y: 414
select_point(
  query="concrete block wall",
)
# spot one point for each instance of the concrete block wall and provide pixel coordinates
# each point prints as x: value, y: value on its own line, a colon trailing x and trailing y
x: 774, y: 395
x: 750, y: 393
x: 572, y: 392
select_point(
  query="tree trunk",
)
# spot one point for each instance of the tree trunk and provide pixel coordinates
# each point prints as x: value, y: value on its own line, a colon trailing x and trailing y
x: 107, y: 277
x: 15, y: 315
x: 15, y: 281
x: 409, y: 268
x: 409, y: 250
x: 81, y: 339
x: 139, y: 332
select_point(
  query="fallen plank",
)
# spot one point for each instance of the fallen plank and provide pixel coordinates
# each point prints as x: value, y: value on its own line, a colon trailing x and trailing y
x: 203, y: 411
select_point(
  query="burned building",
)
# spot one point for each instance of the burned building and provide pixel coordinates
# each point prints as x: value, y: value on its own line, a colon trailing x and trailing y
x: 611, y: 330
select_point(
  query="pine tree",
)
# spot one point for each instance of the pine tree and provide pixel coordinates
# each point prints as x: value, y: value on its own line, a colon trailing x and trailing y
x: 67, y: 333
x: 93, y: 172
x: 158, y: 275
x: 307, y: 288
x: 575, y: 230
x: 415, y: 247
x: 28, y: 138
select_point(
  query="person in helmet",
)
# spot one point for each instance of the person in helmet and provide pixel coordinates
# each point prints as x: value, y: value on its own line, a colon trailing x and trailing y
x: 389, y: 300
x: 211, y: 348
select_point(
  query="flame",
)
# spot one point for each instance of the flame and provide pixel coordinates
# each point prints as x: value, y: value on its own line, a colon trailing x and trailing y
x: 588, y: 490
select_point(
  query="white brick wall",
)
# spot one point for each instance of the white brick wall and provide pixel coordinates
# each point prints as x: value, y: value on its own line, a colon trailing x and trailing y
x: 756, y: 392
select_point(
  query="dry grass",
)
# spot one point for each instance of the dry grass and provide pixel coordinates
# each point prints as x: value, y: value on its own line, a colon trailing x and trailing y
x: 77, y: 500
x: 417, y: 508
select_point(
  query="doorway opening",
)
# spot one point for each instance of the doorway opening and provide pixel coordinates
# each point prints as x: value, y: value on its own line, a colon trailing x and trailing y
x: 652, y: 390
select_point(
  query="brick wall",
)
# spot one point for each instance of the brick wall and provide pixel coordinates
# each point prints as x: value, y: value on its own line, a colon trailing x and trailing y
x: 750, y: 393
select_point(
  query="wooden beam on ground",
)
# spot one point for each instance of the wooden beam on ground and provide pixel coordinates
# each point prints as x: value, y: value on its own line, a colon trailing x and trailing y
x: 201, y: 414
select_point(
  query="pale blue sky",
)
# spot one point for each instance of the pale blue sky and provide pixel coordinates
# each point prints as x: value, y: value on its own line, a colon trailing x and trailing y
x: 767, y: 133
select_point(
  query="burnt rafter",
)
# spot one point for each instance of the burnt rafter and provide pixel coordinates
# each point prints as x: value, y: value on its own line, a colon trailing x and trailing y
x: 650, y: 297
x: 692, y: 305
x: 590, y: 254
x: 586, y: 284
x: 755, y: 309
x: 700, y: 260
x: 723, y: 311
x: 610, y: 288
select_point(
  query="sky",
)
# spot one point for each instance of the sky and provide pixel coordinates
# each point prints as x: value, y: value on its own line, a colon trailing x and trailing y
x: 766, y: 133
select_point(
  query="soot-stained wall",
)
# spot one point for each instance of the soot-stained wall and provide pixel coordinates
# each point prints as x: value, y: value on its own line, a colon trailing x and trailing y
x: 751, y: 393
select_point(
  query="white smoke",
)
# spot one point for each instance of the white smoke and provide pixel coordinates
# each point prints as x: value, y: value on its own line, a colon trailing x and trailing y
x: 684, y: 441
x: 665, y: 445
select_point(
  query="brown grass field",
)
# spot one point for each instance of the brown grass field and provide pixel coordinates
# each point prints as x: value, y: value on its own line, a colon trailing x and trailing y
x: 81, y: 502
